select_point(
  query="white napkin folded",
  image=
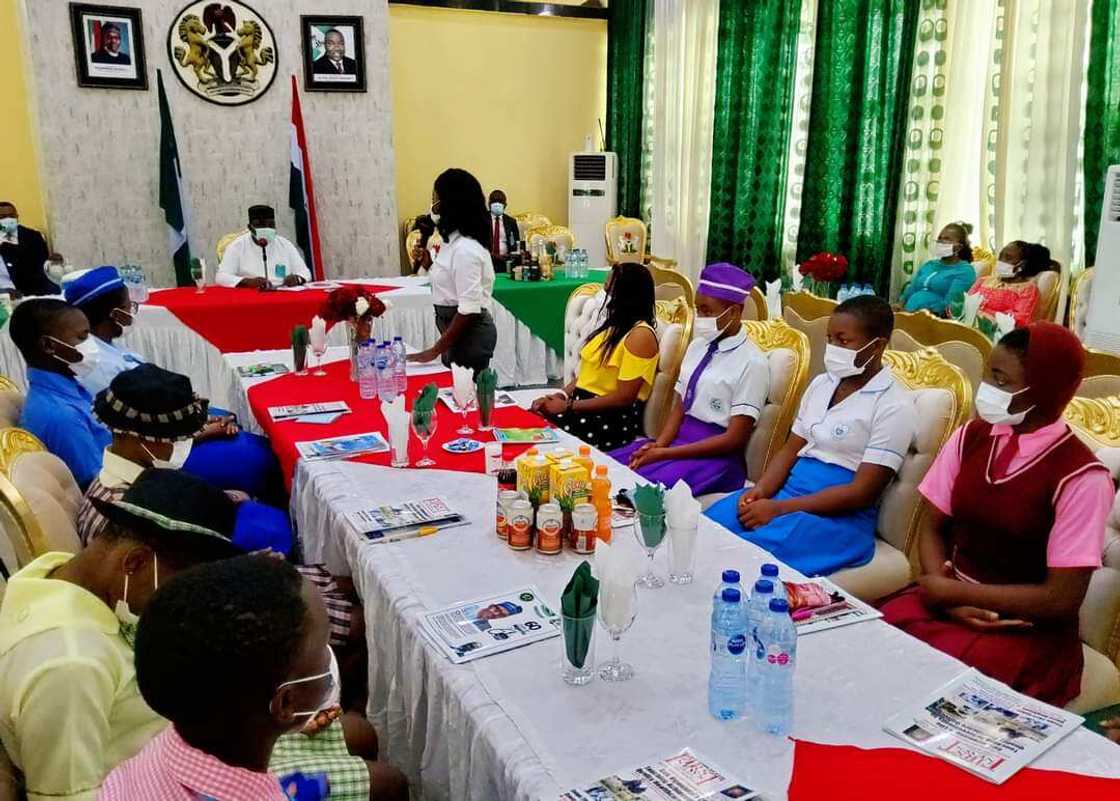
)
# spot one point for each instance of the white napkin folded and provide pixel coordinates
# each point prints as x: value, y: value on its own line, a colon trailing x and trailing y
x: 970, y: 308
x: 796, y: 279
x: 317, y: 334
x: 462, y: 386
x: 774, y: 300
x: 616, y: 567
x: 1005, y: 323
x: 397, y: 419
x: 682, y: 518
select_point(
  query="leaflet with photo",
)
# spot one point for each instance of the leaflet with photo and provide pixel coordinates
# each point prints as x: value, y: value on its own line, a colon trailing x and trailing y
x: 468, y: 631
x: 501, y: 400
x: 686, y: 776
x: 307, y: 409
x: 523, y: 436
x: 392, y: 522
x: 343, y: 447
x: 840, y: 608
x: 261, y: 370
x: 983, y: 726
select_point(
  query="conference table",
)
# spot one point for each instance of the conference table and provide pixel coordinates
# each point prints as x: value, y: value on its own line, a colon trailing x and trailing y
x: 506, y: 727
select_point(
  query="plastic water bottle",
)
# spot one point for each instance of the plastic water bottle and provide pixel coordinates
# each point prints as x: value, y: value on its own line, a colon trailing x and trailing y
x: 867, y: 290
x: 367, y: 377
x: 400, y: 365
x: 758, y: 607
x: 774, y: 703
x: 730, y: 578
x: 386, y: 387
x: 769, y: 570
x: 727, y: 680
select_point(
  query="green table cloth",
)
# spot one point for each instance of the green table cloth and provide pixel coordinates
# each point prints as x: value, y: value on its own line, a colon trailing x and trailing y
x: 540, y: 304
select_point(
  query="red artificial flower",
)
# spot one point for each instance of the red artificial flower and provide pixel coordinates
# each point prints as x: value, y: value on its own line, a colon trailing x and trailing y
x: 825, y: 267
x: 341, y: 304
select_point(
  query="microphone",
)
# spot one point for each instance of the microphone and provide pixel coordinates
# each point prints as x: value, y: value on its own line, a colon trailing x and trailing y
x: 264, y: 262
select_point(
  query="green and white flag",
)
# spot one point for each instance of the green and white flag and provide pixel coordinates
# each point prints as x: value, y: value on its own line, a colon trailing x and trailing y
x: 172, y: 194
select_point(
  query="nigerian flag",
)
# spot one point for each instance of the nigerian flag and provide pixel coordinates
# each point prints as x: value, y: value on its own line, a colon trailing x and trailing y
x: 172, y: 195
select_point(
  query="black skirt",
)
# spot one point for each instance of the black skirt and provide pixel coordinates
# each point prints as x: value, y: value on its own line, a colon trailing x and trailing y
x: 605, y: 430
x: 475, y: 346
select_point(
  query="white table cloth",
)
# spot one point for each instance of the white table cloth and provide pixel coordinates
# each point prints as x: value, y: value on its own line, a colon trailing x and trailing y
x: 507, y: 728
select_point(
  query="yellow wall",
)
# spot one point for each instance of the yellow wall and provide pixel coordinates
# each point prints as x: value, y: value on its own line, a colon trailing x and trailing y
x: 506, y: 96
x: 19, y: 171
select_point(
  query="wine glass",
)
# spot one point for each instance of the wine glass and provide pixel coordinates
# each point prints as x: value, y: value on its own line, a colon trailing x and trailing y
x: 56, y: 268
x: 466, y: 406
x: 424, y: 425
x: 618, y: 606
x: 319, y: 348
x: 198, y: 275
x: 650, y: 533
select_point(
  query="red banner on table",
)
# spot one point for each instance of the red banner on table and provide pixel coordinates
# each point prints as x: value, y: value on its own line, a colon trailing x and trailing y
x: 848, y: 773
x: 365, y: 416
x: 236, y: 320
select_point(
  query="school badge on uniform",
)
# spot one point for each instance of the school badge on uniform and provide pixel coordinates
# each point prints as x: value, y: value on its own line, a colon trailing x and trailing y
x: 223, y: 51
x: 716, y: 404
x: 840, y: 430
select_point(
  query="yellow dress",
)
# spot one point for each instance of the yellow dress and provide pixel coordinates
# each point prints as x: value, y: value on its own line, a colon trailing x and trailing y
x: 601, y: 377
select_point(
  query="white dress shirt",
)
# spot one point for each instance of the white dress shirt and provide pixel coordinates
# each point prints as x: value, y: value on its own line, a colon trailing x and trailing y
x: 242, y: 259
x: 735, y: 382
x: 6, y: 282
x: 462, y: 275
x: 876, y: 424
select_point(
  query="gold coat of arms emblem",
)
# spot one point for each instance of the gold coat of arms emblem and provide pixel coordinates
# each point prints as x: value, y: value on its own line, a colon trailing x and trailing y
x: 224, y: 51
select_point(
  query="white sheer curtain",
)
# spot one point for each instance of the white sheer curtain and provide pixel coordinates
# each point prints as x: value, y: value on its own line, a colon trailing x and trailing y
x: 683, y: 99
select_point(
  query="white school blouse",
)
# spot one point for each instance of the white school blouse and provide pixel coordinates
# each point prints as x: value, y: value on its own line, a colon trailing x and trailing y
x: 462, y: 275
x: 735, y: 381
x: 875, y: 424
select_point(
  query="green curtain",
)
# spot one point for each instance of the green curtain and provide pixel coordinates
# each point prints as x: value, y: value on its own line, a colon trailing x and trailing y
x: 750, y: 145
x: 626, y: 43
x: 1102, y: 114
x: 857, y: 122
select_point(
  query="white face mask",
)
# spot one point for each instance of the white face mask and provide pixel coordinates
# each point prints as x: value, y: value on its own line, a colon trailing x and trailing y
x: 128, y: 620
x: 330, y: 697
x: 841, y: 362
x: 992, y: 404
x: 267, y: 234
x: 9, y: 225
x: 89, y: 356
x: 1005, y: 270
x: 943, y: 250
x: 497, y: 209
x: 180, y: 450
x: 707, y: 329
x: 434, y: 215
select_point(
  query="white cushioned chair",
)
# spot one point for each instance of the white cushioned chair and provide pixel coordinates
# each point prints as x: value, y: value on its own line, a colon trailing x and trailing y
x: 1080, y: 290
x: 755, y: 307
x: 1097, y: 422
x: 670, y: 283
x: 46, y: 486
x: 530, y: 220
x: 11, y: 403
x: 1050, y: 288
x: 626, y: 240
x: 961, y: 345
x: 1102, y: 375
x: 942, y: 397
x: 813, y: 325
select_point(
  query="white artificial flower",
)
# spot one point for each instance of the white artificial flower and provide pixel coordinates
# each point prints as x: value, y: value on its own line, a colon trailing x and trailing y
x: 361, y: 306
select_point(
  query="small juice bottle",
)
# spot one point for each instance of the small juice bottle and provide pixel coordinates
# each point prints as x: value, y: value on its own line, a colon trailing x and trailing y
x: 584, y: 460
x: 601, y: 498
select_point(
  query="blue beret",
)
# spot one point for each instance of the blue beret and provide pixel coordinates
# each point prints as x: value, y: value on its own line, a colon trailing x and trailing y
x: 92, y: 284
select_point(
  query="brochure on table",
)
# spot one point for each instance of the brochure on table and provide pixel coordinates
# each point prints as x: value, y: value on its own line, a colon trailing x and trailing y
x: 343, y: 447
x: 686, y: 776
x: 474, y: 629
x: 501, y: 400
x: 279, y: 413
x: 392, y: 522
x: 843, y: 611
x: 261, y: 370
x: 523, y: 436
x: 983, y: 726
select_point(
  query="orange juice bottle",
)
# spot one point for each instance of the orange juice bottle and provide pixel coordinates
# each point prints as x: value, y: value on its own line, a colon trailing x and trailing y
x: 584, y: 460
x: 601, y: 498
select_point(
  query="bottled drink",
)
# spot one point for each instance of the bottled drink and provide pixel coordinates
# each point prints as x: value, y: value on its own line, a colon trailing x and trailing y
x: 867, y: 290
x: 778, y: 638
x: 367, y: 375
x: 400, y: 365
x: 769, y: 570
x: 386, y: 387
x: 727, y: 679
x: 757, y: 609
x: 601, y: 499
x: 730, y: 578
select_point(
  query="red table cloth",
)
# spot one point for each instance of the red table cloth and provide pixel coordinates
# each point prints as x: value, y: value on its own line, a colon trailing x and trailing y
x: 848, y: 773
x: 235, y: 320
x: 365, y: 415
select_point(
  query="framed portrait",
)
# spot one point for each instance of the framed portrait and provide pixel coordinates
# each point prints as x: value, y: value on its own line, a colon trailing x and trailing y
x: 108, y: 46
x: 334, y: 51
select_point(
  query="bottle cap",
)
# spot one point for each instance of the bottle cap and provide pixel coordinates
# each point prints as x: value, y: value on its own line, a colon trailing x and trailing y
x: 764, y: 586
x: 532, y: 452
x: 770, y: 570
x: 600, y: 470
x: 397, y: 339
x: 731, y: 577
x: 779, y: 605
x: 731, y: 595
x: 585, y: 450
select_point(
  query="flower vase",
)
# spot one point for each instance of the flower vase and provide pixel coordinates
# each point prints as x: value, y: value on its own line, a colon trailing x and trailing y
x: 352, y: 342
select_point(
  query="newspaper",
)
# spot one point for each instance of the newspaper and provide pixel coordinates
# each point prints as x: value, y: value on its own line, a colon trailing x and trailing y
x: 343, y: 447
x: 261, y: 370
x: 306, y: 409
x: 501, y: 400
x: 843, y: 611
x: 472, y: 630
x: 983, y: 726
x: 686, y: 776
x: 398, y: 521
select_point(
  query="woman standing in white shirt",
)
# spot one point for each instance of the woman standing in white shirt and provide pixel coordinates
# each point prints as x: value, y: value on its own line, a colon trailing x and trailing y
x: 816, y: 505
x: 462, y: 274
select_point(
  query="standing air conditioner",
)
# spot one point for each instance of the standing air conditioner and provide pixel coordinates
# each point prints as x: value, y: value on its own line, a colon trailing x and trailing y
x: 1102, y: 321
x: 592, y: 200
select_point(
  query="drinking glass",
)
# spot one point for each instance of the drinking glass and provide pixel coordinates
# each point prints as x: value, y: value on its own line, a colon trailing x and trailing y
x: 682, y: 554
x: 198, y: 275
x: 650, y: 532
x: 56, y: 268
x: 319, y: 348
x: 466, y: 407
x: 424, y: 425
x: 575, y: 628
x: 617, y: 609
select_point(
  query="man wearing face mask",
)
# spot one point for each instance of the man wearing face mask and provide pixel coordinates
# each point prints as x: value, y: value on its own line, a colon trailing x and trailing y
x: 815, y: 506
x: 719, y: 395
x: 261, y: 634
x: 252, y: 260
x: 504, y: 234
x: 24, y: 251
x: 72, y: 710
x: 56, y: 344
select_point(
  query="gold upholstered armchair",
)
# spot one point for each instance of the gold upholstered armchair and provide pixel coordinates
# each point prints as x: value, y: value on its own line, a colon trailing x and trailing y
x: 627, y: 240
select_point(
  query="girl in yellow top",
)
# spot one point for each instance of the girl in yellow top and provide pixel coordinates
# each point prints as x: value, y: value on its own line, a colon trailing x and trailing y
x: 604, y: 405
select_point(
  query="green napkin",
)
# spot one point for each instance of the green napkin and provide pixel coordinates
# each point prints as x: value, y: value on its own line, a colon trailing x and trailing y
x: 424, y: 403
x: 485, y: 382
x: 299, y: 347
x: 649, y: 503
x: 579, y: 603
x: 1093, y: 720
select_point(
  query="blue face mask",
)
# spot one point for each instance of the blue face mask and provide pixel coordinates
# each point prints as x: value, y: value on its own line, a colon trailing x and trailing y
x: 9, y: 225
x: 497, y: 209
